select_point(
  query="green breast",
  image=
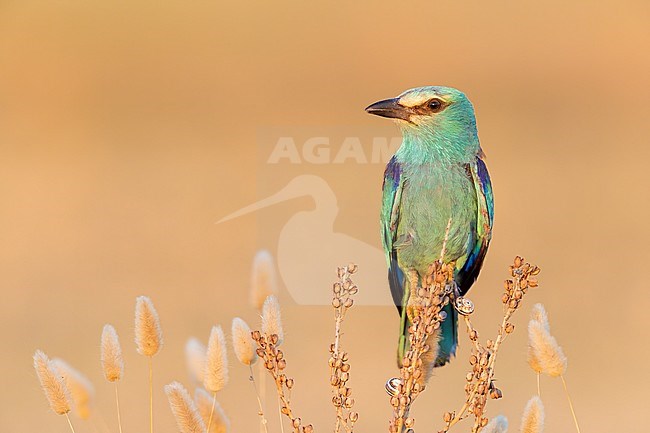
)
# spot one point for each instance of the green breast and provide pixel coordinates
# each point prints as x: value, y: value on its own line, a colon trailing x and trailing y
x: 432, y: 195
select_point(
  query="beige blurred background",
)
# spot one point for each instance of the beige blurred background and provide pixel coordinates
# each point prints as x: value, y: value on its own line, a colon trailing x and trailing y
x: 128, y: 128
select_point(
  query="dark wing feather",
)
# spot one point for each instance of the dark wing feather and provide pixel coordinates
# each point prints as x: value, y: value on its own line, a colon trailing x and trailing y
x: 468, y: 274
x: 392, y: 192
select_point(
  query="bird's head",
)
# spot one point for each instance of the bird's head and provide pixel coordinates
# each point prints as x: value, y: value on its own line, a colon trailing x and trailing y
x: 432, y: 112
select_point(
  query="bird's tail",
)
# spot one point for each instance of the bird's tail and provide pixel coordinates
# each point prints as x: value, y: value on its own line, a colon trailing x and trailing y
x: 447, y: 339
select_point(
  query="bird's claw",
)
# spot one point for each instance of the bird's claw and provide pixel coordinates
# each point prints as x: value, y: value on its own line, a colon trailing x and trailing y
x: 464, y: 306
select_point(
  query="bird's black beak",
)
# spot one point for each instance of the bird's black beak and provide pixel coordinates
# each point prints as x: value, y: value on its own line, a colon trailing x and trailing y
x: 390, y: 108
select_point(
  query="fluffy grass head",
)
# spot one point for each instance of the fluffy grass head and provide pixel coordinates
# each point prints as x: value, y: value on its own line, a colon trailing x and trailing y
x: 52, y: 383
x: 148, y: 334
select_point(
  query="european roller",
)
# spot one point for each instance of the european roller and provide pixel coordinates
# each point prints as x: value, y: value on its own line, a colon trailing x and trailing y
x: 437, y: 178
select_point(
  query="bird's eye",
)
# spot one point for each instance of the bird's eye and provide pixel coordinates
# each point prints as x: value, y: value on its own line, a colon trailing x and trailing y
x: 434, y: 105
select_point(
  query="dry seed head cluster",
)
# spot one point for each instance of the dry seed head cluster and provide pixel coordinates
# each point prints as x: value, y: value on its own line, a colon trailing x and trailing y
x: 275, y: 364
x: 480, y: 384
x: 426, y: 316
x: 343, y: 293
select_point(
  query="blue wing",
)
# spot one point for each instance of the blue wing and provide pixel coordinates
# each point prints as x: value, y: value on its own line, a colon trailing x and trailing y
x: 392, y: 193
x: 480, y: 241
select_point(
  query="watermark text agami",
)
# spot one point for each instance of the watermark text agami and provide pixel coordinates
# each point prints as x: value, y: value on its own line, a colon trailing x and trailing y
x: 324, y: 150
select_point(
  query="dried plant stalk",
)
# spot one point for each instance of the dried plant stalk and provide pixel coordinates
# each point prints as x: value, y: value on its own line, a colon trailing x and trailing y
x: 343, y: 293
x: 426, y: 317
x: 275, y: 364
x: 480, y: 380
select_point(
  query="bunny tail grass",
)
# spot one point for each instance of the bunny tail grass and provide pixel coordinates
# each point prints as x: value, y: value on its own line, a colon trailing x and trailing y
x: 184, y: 409
x: 271, y: 318
x: 52, y: 383
x: 195, y: 359
x: 533, y: 419
x: 216, y: 363
x: 81, y: 389
x: 263, y: 279
x: 148, y: 339
x: 148, y: 335
x: 242, y: 342
x: 549, y: 354
x: 111, y: 355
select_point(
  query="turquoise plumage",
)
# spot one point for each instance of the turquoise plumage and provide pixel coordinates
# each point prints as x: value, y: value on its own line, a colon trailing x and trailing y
x: 437, y: 177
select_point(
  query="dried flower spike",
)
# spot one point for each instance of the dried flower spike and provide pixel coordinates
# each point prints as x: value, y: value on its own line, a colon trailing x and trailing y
x: 184, y: 410
x: 81, y: 389
x: 548, y: 354
x: 195, y: 359
x: 533, y: 418
x: 216, y: 362
x: 271, y: 319
x: 111, y: 355
x: 539, y: 314
x: 263, y: 279
x: 242, y: 342
x: 52, y: 383
x: 148, y: 335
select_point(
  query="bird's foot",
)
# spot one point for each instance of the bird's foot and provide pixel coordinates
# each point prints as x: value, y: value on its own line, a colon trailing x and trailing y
x: 451, y: 288
x: 392, y: 386
x: 464, y: 306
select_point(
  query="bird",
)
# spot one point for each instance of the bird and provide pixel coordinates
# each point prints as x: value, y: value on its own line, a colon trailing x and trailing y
x: 436, y: 190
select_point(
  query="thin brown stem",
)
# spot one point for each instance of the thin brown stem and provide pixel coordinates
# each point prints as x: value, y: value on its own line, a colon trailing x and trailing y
x: 539, y: 388
x: 69, y: 422
x: 151, y: 394
x: 214, y: 402
x: 566, y: 391
x: 117, y: 404
x: 262, y: 392
x: 263, y: 427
